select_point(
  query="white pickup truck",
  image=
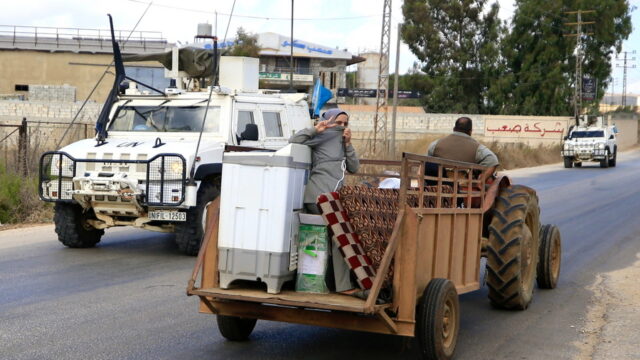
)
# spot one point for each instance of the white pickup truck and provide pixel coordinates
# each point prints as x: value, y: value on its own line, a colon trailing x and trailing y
x: 590, y: 143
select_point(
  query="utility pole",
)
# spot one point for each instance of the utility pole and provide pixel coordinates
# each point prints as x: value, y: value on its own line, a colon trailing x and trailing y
x: 380, y: 119
x: 291, y: 55
x: 624, y: 66
x: 577, y: 97
x: 392, y: 148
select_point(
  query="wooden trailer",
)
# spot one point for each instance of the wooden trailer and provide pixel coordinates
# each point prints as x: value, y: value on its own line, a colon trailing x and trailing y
x: 435, y: 248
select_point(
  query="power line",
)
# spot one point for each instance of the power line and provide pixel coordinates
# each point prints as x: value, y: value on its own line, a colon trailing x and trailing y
x: 256, y: 16
x: 624, y: 76
x: 578, y: 35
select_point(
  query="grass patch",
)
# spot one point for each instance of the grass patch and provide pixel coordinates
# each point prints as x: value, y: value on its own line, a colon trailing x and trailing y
x: 19, y: 200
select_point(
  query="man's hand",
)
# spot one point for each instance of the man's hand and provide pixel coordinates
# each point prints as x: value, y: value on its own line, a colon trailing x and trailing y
x: 347, y: 136
x: 324, y: 125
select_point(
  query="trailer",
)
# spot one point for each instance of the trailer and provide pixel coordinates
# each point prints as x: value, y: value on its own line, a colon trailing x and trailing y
x: 446, y: 220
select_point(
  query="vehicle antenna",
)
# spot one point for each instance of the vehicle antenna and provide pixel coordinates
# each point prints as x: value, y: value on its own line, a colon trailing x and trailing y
x: 75, y: 117
x: 214, y: 82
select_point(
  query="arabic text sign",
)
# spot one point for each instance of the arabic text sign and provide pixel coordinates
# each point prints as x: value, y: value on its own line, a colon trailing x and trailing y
x: 589, y: 88
x: 506, y: 128
x: 371, y: 93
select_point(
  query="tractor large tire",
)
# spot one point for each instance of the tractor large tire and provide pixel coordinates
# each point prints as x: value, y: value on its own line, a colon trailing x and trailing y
x: 512, y: 252
x: 235, y: 328
x: 550, y: 257
x: 568, y: 163
x: 189, y: 233
x: 72, y: 227
x: 438, y: 320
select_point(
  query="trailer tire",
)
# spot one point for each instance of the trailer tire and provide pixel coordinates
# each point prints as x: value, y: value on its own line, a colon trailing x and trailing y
x: 550, y: 256
x: 72, y: 227
x: 189, y: 233
x: 604, y: 163
x: 512, y: 252
x: 235, y: 328
x: 568, y: 163
x: 438, y: 320
x: 578, y: 164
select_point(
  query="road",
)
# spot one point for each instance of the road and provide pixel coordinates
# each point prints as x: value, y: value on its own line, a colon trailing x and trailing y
x: 125, y: 299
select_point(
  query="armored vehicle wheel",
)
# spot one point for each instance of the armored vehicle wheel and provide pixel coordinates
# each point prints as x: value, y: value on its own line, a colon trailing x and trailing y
x: 568, y: 163
x: 578, y: 164
x: 438, y: 320
x: 235, y: 328
x: 604, y: 163
x: 189, y: 233
x: 72, y: 227
x: 550, y: 257
x: 612, y: 161
x: 512, y: 252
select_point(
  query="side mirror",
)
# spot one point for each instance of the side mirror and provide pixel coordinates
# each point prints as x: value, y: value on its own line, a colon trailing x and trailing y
x: 250, y: 133
x: 611, y: 137
x: 566, y: 137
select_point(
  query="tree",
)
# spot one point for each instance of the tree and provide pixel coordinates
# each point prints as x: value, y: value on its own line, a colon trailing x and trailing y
x: 457, y: 43
x: 540, y: 61
x: 245, y: 44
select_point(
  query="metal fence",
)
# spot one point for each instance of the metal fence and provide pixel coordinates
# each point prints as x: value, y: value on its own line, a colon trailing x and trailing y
x: 22, y: 144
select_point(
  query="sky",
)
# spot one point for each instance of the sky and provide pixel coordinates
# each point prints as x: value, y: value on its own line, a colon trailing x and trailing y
x: 354, y: 25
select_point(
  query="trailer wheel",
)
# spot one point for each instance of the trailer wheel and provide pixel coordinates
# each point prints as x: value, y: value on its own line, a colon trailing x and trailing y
x: 604, y: 163
x: 72, y: 227
x: 578, y: 164
x: 189, y: 233
x: 235, y: 328
x: 550, y: 257
x: 438, y: 320
x: 512, y: 252
x: 568, y: 162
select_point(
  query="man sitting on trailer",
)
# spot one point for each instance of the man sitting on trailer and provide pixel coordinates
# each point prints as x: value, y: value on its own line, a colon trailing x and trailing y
x: 460, y: 146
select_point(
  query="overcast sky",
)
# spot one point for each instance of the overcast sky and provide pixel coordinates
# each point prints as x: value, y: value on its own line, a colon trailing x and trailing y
x: 319, y: 21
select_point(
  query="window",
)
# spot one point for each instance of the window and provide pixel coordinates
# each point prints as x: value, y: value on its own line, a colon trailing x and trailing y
x: 152, y: 76
x: 272, y: 124
x: 586, y: 134
x: 332, y: 84
x: 303, y: 65
x: 244, y: 118
x: 20, y: 87
x: 282, y: 64
x: 165, y: 119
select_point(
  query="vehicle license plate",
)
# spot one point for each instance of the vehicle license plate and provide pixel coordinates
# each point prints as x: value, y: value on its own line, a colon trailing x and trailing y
x: 167, y: 215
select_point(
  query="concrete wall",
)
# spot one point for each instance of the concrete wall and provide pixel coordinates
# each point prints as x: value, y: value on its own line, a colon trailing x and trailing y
x: 81, y: 70
x: 627, y: 130
x: 531, y: 130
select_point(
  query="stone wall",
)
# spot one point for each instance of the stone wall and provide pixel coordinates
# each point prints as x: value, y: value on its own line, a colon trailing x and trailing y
x: 62, y: 93
x: 58, y: 111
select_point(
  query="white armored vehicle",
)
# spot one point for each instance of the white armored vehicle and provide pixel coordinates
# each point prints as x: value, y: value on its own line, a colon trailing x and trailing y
x: 590, y: 141
x: 150, y: 165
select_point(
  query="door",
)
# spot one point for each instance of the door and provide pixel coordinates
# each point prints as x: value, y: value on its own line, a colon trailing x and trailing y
x: 275, y: 126
x: 246, y: 113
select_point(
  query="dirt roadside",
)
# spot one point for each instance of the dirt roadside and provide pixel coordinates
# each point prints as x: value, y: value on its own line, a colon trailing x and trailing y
x: 610, y: 330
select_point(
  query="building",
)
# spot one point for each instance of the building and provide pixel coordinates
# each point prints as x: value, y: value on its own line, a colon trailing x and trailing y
x: 65, y: 63
x: 611, y: 102
x: 310, y: 62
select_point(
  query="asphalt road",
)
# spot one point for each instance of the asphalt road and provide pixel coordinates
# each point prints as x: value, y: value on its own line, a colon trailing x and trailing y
x: 125, y: 299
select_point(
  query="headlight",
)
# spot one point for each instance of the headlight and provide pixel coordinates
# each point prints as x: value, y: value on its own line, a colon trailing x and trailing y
x: 601, y: 146
x: 176, y: 167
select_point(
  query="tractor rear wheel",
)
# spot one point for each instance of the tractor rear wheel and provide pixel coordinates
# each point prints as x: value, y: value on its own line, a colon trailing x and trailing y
x: 512, y: 252
x: 438, y: 320
x: 550, y: 257
x: 235, y: 328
